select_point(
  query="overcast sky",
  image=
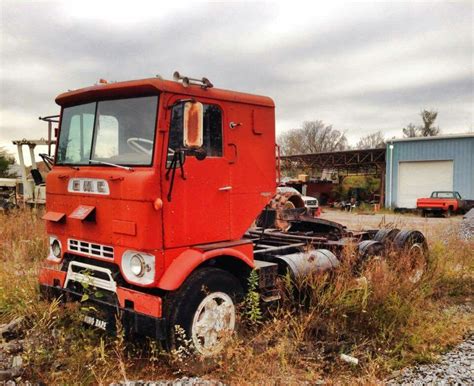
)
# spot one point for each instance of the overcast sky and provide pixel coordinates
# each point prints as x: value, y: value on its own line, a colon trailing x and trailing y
x: 359, y: 66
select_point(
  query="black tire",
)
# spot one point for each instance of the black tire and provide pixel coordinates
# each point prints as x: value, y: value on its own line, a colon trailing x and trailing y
x: 386, y: 236
x: 182, y: 305
x: 367, y: 250
x: 448, y: 213
x: 412, y: 244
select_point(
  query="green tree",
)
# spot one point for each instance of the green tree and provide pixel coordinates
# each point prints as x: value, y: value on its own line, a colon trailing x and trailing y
x: 6, y: 160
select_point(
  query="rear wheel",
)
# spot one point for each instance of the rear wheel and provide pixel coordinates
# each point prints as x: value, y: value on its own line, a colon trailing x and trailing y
x: 413, y: 249
x: 368, y: 250
x: 203, y: 311
x: 386, y: 237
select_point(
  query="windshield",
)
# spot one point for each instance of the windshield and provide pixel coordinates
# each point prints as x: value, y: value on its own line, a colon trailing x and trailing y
x: 118, y: 131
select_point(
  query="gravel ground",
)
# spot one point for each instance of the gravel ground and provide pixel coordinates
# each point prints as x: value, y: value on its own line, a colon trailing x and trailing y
x: 429, y: 226
x: 454, y: 368
x: 467, y: 226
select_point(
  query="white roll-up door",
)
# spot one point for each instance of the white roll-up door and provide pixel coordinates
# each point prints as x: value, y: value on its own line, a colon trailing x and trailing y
x: 420, y: 178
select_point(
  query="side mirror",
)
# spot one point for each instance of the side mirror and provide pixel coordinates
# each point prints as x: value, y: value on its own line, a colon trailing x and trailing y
x: 193, y: 124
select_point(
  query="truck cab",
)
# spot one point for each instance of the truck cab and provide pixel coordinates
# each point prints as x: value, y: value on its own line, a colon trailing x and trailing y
x: 154, y: 184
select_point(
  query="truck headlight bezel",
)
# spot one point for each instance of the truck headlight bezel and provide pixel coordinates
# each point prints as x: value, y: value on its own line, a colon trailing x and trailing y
x: 138, y: 267
x: 55, y: 249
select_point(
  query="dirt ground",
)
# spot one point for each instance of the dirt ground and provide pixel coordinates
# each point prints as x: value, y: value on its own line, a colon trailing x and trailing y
x: 354, y: 221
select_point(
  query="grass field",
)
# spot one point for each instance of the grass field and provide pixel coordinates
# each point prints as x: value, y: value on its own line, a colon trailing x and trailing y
x: 381, y: 318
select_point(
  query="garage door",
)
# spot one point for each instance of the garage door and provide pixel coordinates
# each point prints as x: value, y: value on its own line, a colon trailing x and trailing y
x: 419, y: 179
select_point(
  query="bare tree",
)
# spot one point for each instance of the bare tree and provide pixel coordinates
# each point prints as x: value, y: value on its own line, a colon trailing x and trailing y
x: 410, y: 131
x: 371, y: 141
x: 429, y: 117
x: 312, y: 137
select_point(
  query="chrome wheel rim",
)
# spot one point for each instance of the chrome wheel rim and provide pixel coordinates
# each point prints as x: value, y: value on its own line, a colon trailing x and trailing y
x: 213, y: 322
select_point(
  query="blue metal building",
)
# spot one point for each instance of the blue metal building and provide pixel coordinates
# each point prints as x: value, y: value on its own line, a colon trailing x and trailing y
x: 417, y: 166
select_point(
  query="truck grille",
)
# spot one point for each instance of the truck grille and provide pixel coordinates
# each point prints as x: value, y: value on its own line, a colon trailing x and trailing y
x: 90, y: 249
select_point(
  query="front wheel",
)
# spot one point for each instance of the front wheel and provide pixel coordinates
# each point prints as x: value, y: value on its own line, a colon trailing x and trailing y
x: 203, y: 311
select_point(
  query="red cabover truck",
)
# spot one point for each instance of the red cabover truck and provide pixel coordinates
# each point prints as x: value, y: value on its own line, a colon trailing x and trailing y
x: 154, y: 210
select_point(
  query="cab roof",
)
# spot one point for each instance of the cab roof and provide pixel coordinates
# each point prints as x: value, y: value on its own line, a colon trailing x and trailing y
x: 153, y: 86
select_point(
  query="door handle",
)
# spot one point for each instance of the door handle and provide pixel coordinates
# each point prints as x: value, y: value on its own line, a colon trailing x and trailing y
x: 234, y: 146
x: 225, y: 188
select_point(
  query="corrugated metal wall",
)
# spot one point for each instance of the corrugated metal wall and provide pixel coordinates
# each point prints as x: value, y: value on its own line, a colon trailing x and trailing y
x: 459, y: 150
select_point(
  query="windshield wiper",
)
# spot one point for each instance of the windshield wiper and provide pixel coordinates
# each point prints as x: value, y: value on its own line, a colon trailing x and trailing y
x: 111, y: 164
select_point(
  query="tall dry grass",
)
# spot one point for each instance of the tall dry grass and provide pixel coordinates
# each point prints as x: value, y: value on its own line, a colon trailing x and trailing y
x: 379, y: 317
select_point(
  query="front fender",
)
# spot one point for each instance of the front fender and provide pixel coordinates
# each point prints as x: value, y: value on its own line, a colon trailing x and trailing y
x: 190, y: 259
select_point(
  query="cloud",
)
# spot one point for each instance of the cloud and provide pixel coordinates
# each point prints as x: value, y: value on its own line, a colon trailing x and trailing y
x: 359, y: 66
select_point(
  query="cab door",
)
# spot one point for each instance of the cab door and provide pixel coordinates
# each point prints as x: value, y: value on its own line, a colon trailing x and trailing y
x: 198, y: 211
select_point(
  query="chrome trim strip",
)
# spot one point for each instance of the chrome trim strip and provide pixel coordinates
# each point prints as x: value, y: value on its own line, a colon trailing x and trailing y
x: 109, y: 285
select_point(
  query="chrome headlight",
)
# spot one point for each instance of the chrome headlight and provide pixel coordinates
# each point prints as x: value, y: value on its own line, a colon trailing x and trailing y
x: 138, y: 267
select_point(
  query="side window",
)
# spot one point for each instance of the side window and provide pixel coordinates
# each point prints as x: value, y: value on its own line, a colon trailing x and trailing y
x: 212, y: 130
x: 212, y: 136
x: 176, y: 128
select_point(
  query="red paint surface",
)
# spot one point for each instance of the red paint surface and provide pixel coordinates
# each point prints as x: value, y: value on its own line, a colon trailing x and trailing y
x: 47, y: 276
x: 438, y: 203
x: 82, y: 212
x: 190, y: 259
x: 124, y: 227
x: 143, y: 303
x: 54, y: 216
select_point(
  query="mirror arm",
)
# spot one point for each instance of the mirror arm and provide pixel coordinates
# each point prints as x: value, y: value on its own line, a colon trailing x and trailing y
x: 172, y: 169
